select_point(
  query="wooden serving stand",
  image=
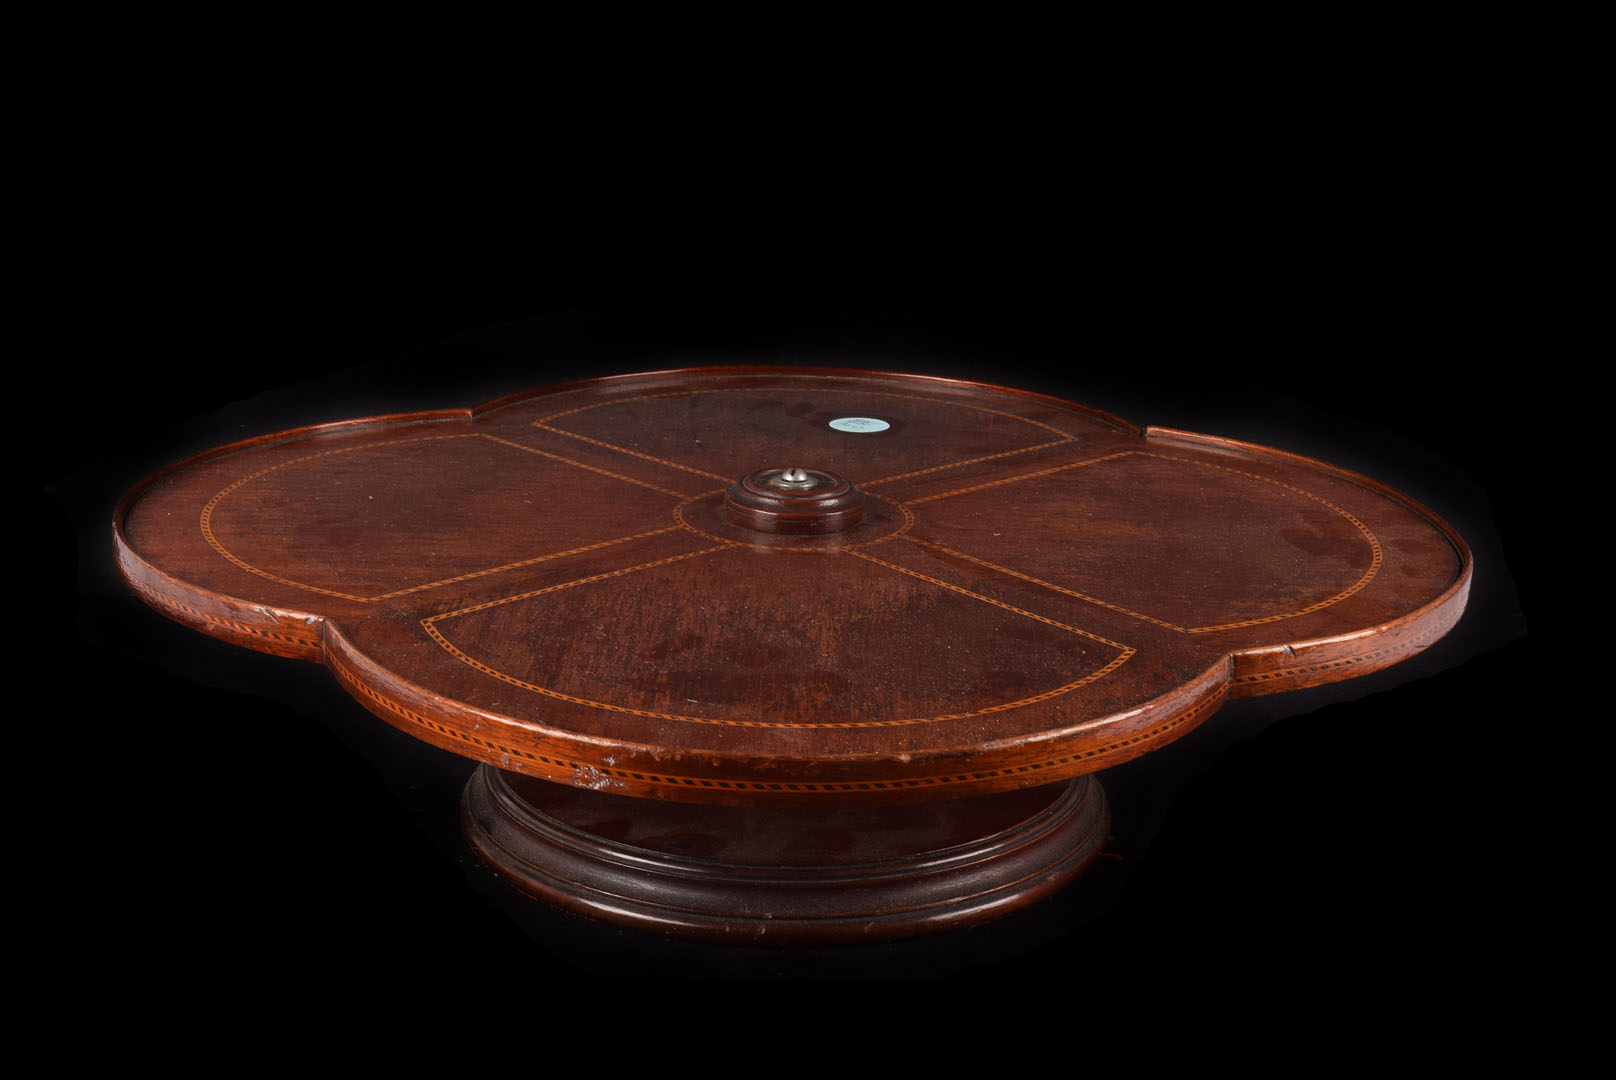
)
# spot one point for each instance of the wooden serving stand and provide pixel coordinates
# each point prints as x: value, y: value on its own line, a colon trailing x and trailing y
x: 790, y: 655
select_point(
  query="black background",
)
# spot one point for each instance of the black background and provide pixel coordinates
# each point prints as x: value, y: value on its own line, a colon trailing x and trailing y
x: 241, y: 816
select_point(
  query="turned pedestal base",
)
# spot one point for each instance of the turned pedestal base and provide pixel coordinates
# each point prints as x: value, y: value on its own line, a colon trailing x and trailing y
x: 795, y: 875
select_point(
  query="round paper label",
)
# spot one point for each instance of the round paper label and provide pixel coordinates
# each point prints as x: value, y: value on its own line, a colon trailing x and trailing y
x: 859, y: 424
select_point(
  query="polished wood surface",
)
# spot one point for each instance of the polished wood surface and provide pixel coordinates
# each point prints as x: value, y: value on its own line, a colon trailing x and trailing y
x: 550, y: 584
x: 801, y: 875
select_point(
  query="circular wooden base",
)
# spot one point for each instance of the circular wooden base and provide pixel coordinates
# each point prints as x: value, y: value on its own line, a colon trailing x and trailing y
x: 797, y: 876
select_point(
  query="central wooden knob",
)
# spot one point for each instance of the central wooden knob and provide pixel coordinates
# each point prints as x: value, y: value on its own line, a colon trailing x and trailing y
x: 794, y: 499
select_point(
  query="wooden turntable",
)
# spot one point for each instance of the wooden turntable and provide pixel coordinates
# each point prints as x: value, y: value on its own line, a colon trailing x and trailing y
x: 790, y: 655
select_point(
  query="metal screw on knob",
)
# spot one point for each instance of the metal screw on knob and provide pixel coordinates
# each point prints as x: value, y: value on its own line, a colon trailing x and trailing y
x: 795, y: 478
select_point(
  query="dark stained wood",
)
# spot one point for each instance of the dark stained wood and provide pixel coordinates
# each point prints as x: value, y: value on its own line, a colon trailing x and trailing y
x: 794, y: 501
x: 554, y: 585
x: 794, y: 876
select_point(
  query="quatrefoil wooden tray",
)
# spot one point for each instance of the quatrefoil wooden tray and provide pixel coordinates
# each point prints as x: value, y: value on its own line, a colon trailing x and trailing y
x: 791, y: 654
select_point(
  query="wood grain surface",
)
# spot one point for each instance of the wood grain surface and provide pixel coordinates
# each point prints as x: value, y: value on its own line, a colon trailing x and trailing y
x: 549, y: 583
x: 1360, y: 293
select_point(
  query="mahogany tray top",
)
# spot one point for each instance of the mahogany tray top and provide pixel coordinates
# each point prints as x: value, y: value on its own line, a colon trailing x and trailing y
x: 791, y: 586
